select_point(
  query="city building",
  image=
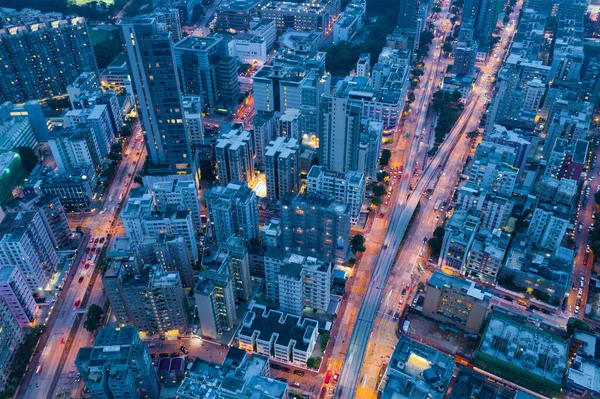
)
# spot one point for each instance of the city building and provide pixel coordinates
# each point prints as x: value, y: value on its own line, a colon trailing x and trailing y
x: 232, y: 210
x: 487, y: 255
x: 456, y: 301
x: 236, y: 15
x: 172, y: 253
x: 297, y: 282
x: 181, y: 194
x: 306, y: 16
x: 76, y: 189
x: 248, y: 48
x: 289, y: 124
x: 369, y: 149
x: 416, y: 371
x: 316, y: 225
x: 25, y: 244
x: 158, y: 92
x: 74, y: 147
x: 240, y: 375
x: 17, y: 295
x: 271, y: 233
x: 32, y: 110
x: 582, y: 378
x: 153, y: 300
x: 215, y: 295
x: 408, y: 22
x: 349, y: 22
x: 363, y: 65
x: 236, y: 253
x: 16, y: 131
x: 286, y: 338
x: 458, y: 239
x: 66, y: 49
x: 265, y: 130
x: 234, y: 155
x: 206, y: 70
x: 192, y: 110
x: 52, y: 212
x: 11, y: 173
x: 282, y: 167
x: 548, y: 226
x: 495, y: 168
x: 348, y: 187
x: 510, y: 344
x: 265, y: 29
x: 98, y: 117
x: 118, y: 363
x: 11, y: 337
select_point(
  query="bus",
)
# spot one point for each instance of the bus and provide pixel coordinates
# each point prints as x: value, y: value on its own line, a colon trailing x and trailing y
x: 437, y: 205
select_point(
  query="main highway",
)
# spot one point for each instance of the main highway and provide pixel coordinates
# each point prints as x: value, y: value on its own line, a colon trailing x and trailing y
x: 365, y: 339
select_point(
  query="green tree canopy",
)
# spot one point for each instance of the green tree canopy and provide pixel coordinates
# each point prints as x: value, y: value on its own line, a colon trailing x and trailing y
x: 379, y: 190
x: 94, y: 315
x: 358, y: 243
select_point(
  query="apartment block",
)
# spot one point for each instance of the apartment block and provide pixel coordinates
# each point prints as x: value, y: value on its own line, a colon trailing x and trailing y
x: 232, y: 210
x: 74, y: 147
x: 234, y: 155
x: 181, y: 194
x: 282, y: 167
x: 11, y: 336
x: 458, y: 239
x: 348, y: 187
x: 456, y: 301
x: 487, y: 255
x: 284, y: 337
x: 548, y: 226
x: 17, y: 295
x: 317, y: 225
x: 118, y: 364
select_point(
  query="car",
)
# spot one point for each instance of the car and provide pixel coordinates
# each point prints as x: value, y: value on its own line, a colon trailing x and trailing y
x: 183, y: 349
x: 153, y: 355
x: 96, y: 240
x: 580, y: 293
x: 286, y: 369
x: 128, y: 174
x: 162, y: 355
x: 331, y: 390
x: 298, y: 372
x: 77, y: 302
x: 78, y: 377
x: 327, y: 377
x: 437, y: 217
x: 336, y: 376
x: 295, y: 384
x: 403, y: 291
x: 80, y: 279
x: 396, y: 315
x: 282, y: 379
x: 91, y: 240
x: 98, y: 250
x: 87, y: 266
x: 275, y: 366
x: 578, y: 303
x: 576, y: 309
x: 133, y: 163
x: 401, y: 302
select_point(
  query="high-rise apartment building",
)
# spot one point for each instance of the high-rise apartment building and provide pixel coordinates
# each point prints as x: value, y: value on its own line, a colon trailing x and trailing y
x: 348, y: 187
x: 548, y: 226
x: 234, y: 155
x: 26, y: 244
x: 172, y: 253
x: 316, y: 225
x: 118, y: 366
x: 182, y: 194
x: 153, y: 300
x: 17, y: 295
x: 459, y: 236
x: 74, y: 147
x: 282, y: 167
x: 158, y: 91
x: 192, y: 110
x: 265, y: 130
x: 11, y: 336
x: 232, y: 210
x: 297, y: 282
x: 40, y: 58
x: 408, y: 22
x: 206, y: 70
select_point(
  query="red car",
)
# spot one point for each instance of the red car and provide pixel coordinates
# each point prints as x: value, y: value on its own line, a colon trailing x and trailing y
x: 80, y: 279
x: 77, y: 302
x: 327, y: 377
x: 87, y: 266
x: 336, y: 376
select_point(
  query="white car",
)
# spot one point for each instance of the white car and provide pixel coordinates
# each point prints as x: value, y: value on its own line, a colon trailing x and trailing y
x: 580, y: 293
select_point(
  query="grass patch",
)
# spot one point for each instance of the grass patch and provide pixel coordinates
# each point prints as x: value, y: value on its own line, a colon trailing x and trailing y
x: 98, y: 36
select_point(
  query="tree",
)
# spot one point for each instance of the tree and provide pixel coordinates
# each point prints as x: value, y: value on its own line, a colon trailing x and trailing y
x: 351, y: 262
x: 439, y: 232
x: 473, y: 134
x: 447, y: 47
x: 358, y: 243
x: 576, y: 324
x: 376, y: 201
x: 435, y: 246
x: 94, y: 315
x: 28, y: 158
x: 117, y: 146
x: 107, y: 50
x: 379, y: 190
x: 385, y: 157
x: 138, y: 180
x: 420, y: 286
x: 417, y: 72
x: 313, y: 363
x: 382, y: 176
x: 411, y: 97
x: 455, y: 96
x: 597, y: 197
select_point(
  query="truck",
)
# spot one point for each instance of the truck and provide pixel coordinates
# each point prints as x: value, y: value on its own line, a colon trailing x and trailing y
x: 405, y: 326
x: 437, y: 205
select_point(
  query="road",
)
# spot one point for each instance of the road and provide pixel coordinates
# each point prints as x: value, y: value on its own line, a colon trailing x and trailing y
x: 374, y: 330
x: 57, y: 373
